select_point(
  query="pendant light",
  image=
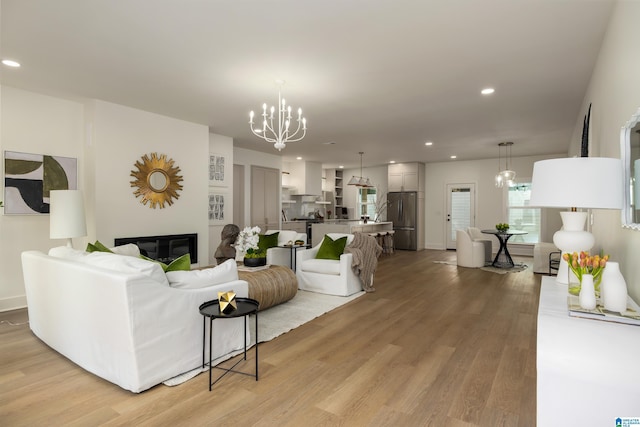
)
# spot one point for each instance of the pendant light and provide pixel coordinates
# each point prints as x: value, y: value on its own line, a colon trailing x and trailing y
x: 360, y: 181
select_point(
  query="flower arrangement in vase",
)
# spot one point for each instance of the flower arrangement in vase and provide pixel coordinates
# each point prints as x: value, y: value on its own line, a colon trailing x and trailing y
x: 583, y: 263
x: 247, y: 242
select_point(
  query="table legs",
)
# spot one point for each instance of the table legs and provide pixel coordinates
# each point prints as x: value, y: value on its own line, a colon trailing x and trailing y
x: 503, y: 257
x: 231, y: 369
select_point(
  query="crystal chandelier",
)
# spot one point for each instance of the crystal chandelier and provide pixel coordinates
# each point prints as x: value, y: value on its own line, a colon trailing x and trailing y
x: 360, y: 181
x: 506, y: 175
x: 279, y: 134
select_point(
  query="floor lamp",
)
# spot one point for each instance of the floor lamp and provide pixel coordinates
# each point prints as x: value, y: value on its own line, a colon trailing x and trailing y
x: 66, y: 215
x: 576, y: 183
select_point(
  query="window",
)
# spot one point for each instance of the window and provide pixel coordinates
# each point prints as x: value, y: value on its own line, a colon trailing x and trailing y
x: 367, y: 202
x: 522, y: 217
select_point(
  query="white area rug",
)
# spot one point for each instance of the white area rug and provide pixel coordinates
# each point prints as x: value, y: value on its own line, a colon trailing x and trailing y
x: 280, y: 319
x: 517, y: 268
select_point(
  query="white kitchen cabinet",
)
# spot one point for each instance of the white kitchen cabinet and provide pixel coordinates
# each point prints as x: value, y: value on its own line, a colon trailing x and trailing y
x: 406, y: 177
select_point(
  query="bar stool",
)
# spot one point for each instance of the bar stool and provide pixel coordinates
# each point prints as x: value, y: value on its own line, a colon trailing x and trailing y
x: 377, y: 236
x: 387, y: 242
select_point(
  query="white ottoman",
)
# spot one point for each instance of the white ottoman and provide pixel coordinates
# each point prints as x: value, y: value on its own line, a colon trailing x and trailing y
x: 541, y: 253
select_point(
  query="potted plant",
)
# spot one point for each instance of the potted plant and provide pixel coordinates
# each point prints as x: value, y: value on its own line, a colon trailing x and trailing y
x: 247, y: 242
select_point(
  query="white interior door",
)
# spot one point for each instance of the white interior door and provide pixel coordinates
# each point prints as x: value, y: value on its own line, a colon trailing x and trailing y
x: 461, y: 210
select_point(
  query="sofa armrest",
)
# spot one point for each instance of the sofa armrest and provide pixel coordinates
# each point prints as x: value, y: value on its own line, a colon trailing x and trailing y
x: 345, y: 264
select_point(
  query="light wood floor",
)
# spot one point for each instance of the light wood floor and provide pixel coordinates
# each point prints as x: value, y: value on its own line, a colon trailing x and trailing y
x: 435, y: 345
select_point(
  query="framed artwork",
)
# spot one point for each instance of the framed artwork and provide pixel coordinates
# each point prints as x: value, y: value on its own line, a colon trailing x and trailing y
x: 28, y: 179
x: 217, y: 208
x: 218, y: 174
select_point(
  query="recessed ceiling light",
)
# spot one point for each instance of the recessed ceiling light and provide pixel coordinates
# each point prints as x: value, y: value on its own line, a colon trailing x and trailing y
x: 428, y: 143
x: 454, y: 157
x: 341, y: 166
x: 392, y: 161
x: 298, y: 158
x: 487, y: 91
x: 10, y: 63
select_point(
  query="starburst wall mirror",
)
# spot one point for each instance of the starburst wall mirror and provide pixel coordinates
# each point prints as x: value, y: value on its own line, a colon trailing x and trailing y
x: 157, y: 180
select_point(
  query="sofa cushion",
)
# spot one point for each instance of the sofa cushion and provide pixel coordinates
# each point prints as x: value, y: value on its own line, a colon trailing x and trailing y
x: 331, y: 249
x: 67, y: 252
x: 223, y: 273
x: 126, y: 264
x: 130, y: 249
x: 323, y: 266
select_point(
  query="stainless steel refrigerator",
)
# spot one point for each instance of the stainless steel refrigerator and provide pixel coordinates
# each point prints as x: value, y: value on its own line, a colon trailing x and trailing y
x: 403, y: 212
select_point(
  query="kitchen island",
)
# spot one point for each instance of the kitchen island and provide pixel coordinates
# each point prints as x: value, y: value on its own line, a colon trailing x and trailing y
x: 346, y: 226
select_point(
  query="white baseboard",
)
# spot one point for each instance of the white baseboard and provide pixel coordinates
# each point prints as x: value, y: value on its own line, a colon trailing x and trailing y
x: 13, y: 303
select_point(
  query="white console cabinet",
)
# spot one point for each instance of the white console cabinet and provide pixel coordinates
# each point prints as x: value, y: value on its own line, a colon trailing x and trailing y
x: 588, y: 370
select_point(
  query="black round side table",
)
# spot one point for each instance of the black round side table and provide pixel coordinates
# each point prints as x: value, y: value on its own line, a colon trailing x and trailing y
x: 211, y: 309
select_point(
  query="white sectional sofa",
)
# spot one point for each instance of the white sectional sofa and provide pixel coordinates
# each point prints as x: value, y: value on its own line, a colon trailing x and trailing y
x: 122, y: 320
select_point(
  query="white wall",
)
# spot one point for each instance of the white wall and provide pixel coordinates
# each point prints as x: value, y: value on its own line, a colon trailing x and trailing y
x: 489, y: 199
x: 38, y: 124
x: 614, y: 92
x: 221, y: 145
x: 107, y: 139
x: 121, y: 136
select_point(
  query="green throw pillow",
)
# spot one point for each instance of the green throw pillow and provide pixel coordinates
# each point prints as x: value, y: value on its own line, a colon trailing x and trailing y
x: 97, y: 247
x: 331, y: 249
x: 266, y: 241
x: 179, y: 264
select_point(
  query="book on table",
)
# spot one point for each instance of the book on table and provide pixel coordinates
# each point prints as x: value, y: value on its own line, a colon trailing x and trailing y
x: 630, y: 317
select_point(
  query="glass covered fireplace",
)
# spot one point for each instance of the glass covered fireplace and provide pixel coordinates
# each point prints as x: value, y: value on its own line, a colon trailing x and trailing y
x: 165, y: 248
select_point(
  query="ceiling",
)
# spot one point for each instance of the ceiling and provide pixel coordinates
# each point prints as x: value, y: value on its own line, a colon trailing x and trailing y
x: 378, y: 76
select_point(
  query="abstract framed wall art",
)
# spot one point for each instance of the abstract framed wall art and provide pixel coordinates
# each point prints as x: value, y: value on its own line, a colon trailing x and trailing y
x: 217, y: 212
x: 217, y: 171
x: 28, y: 179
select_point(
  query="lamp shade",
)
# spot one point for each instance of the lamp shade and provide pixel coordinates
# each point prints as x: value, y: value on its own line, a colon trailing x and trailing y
x: 66, y: 217
x: 578, y: 182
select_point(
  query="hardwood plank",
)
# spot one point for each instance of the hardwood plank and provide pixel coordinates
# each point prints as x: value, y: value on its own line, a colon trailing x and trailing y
x: 435, y: 345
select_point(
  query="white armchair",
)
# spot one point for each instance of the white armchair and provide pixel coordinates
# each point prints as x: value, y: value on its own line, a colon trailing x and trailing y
x: 334, y: 277
x: 282, y: 256
x: 478, y: 236
x: 469, y: 252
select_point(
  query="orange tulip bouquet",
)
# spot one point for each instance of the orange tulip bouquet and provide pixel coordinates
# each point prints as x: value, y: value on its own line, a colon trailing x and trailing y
x: 584, y: 263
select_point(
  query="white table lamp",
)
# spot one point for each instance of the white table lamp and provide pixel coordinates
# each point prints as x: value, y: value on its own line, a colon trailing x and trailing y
x: 66, y: 215
x: 576, y: 183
